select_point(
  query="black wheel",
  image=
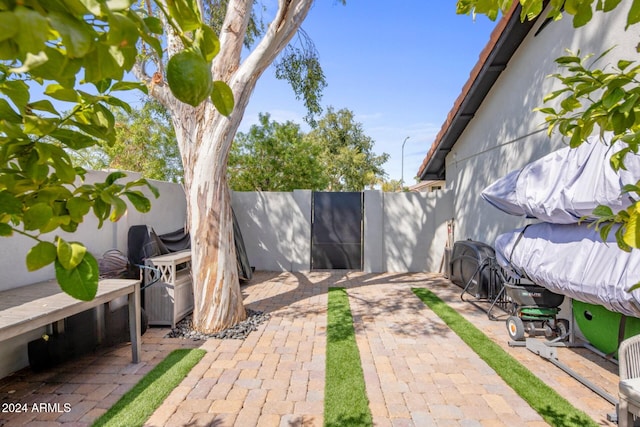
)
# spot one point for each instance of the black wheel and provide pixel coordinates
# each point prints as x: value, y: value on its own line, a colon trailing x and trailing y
x: 562, y: 328
x: 515, y: 327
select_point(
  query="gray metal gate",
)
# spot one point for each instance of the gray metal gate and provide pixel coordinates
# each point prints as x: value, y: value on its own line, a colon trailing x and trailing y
x: 336, y: 230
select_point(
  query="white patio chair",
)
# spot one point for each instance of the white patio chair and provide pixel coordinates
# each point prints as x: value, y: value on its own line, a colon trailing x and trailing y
x: 629, y: 386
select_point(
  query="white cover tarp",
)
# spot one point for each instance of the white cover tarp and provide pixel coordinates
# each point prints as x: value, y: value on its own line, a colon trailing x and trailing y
x: 566, y: 184
x: 572, y: 260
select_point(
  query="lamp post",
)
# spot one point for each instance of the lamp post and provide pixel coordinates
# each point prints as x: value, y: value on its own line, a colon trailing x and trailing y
x: 402, y: 166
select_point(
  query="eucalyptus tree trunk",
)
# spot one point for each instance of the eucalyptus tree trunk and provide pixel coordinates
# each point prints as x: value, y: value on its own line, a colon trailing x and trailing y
x: 204, y: 138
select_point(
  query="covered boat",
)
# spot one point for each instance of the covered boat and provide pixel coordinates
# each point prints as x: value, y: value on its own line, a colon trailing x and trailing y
x: 571, y: 259
x: 567, y: 184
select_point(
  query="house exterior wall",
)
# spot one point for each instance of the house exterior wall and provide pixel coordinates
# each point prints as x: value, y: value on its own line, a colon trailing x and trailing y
x: 505, y: 133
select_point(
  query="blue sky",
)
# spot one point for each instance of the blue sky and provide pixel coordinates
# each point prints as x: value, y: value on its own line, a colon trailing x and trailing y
x: 399, y: 66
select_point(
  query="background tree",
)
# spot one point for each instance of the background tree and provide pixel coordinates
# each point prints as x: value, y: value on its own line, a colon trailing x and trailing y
x: 145, y: 142
x: 205, y: 135
x: 391, y: 186
x: 348, y: 153
x: 590, y: 99
x: 275, y: 156
x: 280, y: 157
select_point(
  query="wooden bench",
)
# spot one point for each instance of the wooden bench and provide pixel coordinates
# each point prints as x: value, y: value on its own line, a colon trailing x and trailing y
x: 33, y: 306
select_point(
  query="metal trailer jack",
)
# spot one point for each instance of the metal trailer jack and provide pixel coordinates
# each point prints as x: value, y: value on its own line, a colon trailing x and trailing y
x: 547, y: 350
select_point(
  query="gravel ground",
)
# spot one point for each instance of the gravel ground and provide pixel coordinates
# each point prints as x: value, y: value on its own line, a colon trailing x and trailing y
x: 184, y: 328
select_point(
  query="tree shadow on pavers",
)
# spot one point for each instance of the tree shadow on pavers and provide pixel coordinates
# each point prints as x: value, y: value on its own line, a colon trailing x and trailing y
x: 404, y: 302
x: 558, y: 419
x: 197, y: 423
x: 297, y: 287
x: 359, y: 420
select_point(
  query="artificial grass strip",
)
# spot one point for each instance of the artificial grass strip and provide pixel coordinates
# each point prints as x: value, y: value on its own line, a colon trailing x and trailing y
x: 555, y: 409
x: 137, y: 405
x: 345, y: 395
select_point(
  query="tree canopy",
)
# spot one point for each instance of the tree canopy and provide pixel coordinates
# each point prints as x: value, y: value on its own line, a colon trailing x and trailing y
x: 275, y: 156
x: 336, y: 155
x: 145, y: 142
x: 348, y: 155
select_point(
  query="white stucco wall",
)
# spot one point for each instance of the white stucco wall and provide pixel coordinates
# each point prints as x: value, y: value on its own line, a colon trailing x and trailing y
x: 402, y: 231
x: 276, y: 228
x: 415, y: 230
x: 504, y: 133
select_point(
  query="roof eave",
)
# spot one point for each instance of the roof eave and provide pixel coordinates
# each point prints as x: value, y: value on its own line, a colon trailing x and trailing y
x: 504, y: 41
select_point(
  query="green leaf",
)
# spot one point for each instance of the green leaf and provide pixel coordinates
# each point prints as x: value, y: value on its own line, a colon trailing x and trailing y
x: 5, y: 230
x: 547, y: 110
x: 57, y: 91
x: 41, y: 255
x: 602, y: 211
x: 102, y: 86
x: 37, y: 216
x: 80, y: 282
x: 92, y: 6
x: 129, y: 86
x: 623, y: 63
x: 153, y: 24
x: 122, y: 31
x: 576, y: 139
x: 570, y: 103
x: 609, y: 5
x: 34, y: 30
x: 59, y: 68
x: 44, y: 105
x: 38, y: 126
x: 634, y: 14
x: 119, y: 209
x: 222, y: 98
x: 207, y: 41
x: 114, y: 176
x: 76, y: 35
x: 78, y: 207
x: 584, y: 14
x: 8, y: 113
x: 618, y: 122
x: 117, y: 102
x: 629, y: 188
x: 70, y: 254
x: 9, y: 204
x: 119, y: 4
x: 138, y: 200
x: 631, y: 234
x: 9, y: 25
x: 186, y: 13
x: 153, y: 42
x: 18, y: 92
x: 8, y: 50
x: 102, y: 63
x: 73, y: 139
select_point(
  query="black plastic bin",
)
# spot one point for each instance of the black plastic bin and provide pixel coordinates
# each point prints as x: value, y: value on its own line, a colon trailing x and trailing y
x: 470, y: 266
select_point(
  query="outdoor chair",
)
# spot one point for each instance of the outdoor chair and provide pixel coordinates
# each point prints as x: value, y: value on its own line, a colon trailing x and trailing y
x: 629, y: 387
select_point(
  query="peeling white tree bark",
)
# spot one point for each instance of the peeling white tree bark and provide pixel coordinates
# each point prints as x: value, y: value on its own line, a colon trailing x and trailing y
x: 205, y: 138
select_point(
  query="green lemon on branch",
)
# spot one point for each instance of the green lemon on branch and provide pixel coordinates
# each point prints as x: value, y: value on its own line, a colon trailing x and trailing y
x: 189, y: 77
